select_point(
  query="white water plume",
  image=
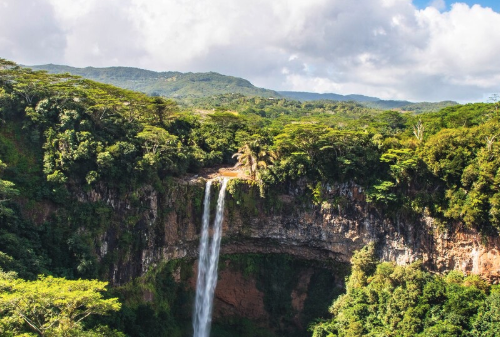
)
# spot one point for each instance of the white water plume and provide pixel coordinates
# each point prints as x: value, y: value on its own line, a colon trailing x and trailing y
x: 208, y: 263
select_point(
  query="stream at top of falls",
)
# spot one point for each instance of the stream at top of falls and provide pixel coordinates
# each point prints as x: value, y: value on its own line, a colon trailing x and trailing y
x: 208, y: 262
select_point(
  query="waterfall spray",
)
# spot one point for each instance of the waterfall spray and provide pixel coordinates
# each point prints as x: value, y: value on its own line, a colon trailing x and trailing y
x: 208, y: 263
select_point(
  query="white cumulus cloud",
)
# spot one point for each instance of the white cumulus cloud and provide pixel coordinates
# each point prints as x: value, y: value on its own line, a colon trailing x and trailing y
x: 384, y: 48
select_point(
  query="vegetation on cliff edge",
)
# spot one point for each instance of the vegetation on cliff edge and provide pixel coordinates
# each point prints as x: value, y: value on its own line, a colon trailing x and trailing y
x: 382, y: 299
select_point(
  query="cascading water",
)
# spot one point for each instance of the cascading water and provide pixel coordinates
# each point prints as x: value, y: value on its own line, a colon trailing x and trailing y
x: 202, y: 262
x: 207, y: 264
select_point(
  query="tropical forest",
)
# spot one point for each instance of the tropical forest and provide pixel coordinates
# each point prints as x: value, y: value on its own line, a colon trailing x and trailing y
x: 319, y: 217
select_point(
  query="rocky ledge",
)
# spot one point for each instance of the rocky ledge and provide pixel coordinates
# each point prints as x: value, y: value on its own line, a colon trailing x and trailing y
x: 169, y: 225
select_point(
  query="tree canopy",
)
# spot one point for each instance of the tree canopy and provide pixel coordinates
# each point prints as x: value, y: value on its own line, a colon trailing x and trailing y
x: 50, y: 306
x: 387, y: 300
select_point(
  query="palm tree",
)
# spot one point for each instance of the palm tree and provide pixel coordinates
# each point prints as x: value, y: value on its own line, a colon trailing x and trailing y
x: 253, y: 157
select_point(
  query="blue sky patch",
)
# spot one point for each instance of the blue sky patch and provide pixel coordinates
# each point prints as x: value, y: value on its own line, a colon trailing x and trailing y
x: 493, y: 4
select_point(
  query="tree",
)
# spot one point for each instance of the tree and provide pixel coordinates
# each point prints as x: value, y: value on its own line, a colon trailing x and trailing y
x: 161, y: 149
x: 254, y: 156
x: 161, y: 108
x: 6, y: 191
x: 389, y: 300
x: 157, y: 140
x: 394, y: 120
x: 50, y: 306
x: 364, y: 263
x: 402, y: 163
x: 487, y: 323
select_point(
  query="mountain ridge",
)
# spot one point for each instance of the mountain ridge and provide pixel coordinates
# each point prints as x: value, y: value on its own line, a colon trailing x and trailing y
x: 169, y: 83
x: 179, y: 85
x: 311, y: 96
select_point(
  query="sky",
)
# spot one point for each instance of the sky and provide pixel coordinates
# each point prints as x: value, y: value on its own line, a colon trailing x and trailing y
x: 420, y: 50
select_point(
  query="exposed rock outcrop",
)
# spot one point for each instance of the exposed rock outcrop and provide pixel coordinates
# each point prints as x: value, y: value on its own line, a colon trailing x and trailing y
x: 168, y: 225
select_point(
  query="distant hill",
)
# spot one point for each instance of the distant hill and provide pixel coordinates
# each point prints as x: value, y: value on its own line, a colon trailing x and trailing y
x: 371, y: 102
x: 427, y: 107
x: 387, y: 104
x: 168, y: 84
x: 311, y: 96
x: 409, y: 106
x: 198, y: 85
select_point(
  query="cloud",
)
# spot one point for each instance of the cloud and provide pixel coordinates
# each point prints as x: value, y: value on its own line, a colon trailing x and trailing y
x: 384, y: 48
x: 28, y: 32
x: 462, y: 46
x: 438, y: 4
x: 99, y: 33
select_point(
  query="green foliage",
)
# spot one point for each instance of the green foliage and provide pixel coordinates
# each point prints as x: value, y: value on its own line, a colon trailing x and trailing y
x: 7, y: 190
x: 466, y: 160
x: 94, y: 132
x: 388, y: 300
x: 50, y: 306
x: 363, y: 265
x: 382, y: 192
x: 323, y: 153
x: 253, y: 156
x: 402, y: 163
x: 155, y: 304
x: 487, y: 323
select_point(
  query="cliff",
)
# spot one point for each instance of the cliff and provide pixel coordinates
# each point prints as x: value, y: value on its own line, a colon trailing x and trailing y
x: 166, y: 226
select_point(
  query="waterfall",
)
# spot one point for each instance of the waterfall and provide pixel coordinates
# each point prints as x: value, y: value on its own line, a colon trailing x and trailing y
x: 207, y: 263
x: 202, y: 262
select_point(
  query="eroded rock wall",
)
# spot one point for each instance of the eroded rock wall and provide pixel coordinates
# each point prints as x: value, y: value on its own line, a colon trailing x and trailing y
x: 166, y: 225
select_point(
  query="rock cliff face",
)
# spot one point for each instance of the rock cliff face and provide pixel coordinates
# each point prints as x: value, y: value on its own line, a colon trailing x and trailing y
x: 167, y: 226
